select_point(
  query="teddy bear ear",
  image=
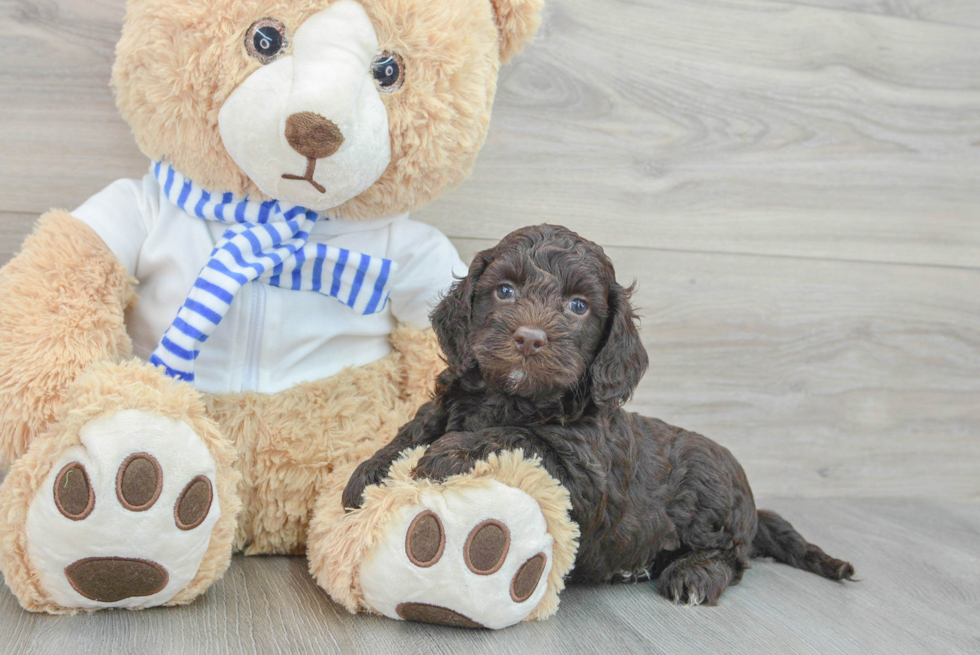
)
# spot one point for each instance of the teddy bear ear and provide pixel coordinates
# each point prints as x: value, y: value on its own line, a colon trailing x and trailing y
x: 517, y: 22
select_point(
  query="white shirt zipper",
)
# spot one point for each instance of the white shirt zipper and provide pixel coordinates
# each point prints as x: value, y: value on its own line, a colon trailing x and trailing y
x: 253, y: 347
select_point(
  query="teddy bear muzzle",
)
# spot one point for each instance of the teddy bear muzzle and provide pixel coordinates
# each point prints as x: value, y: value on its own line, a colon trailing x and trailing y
x: 309, y: 127
x: 314, y: 137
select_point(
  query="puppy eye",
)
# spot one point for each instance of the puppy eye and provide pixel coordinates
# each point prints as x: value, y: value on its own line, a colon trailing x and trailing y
x: 389, y: 71
x: 578, y: 306
x: 505, y: 292
x: 266, y: 40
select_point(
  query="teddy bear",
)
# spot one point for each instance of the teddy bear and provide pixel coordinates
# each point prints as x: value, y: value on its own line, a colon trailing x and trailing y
x: 193, y: 363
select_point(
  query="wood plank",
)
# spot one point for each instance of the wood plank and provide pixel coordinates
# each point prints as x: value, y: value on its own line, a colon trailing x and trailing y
x: 823, y: 378
x: 13, y: 229
x: 63, y: 138
x: 747, y: 126
x: 917, y: 561
x: 964, y: 13
x: 752, y: 127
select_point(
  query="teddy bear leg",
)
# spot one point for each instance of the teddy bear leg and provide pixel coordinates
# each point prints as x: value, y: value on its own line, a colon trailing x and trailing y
x: 486, y: 549
x: 127, y: 500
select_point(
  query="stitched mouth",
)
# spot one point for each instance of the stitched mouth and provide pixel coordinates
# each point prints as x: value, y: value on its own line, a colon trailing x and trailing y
x: 307, y: 176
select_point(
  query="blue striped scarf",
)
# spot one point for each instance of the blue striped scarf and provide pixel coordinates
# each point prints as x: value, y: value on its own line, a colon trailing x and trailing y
x: 267, y: 241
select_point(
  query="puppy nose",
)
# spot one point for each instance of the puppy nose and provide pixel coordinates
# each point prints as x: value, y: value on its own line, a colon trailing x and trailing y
x: 530, y: 340
x: 312, y: 135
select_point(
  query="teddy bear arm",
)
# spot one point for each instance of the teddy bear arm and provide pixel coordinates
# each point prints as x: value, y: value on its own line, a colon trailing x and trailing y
x: 62, y: 304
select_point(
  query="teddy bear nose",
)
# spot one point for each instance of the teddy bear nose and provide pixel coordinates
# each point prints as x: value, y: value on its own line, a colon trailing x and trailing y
x: 530, y: 340
x: 312, y: 135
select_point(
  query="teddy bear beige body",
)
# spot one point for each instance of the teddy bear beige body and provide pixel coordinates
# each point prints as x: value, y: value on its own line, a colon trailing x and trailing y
x: 130, y: 483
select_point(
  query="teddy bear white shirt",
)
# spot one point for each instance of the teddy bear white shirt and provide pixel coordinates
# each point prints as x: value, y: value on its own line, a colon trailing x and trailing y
x: 271, y: 338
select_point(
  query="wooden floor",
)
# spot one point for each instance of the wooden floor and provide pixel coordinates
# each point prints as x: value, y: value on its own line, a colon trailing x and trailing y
x: 918, y: 592
x: 794, y: 184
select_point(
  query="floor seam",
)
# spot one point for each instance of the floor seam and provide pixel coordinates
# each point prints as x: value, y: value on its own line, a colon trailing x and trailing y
x: 695, y: 251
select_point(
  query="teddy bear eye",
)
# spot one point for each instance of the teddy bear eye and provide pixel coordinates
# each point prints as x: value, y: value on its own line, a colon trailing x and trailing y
x: 388, y: 69
x: 266, y: 40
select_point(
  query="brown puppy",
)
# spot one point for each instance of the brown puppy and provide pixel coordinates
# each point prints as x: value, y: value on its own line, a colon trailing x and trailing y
x: 542, y: 351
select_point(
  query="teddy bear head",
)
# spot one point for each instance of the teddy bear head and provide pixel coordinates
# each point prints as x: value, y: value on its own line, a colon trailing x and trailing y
x: 356, y: 108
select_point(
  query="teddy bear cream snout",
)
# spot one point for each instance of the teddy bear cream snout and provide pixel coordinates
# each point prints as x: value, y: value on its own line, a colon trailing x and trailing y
x: 309, y: 127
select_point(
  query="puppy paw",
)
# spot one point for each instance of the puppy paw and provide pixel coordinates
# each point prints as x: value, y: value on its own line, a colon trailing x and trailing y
x: 475, y: 558
x: 125, y: 517
x: 695, y: 579
x: 366, y: 474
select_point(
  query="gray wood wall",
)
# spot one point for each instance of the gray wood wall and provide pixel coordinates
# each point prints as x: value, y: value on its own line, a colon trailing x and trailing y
x: 795, y: 184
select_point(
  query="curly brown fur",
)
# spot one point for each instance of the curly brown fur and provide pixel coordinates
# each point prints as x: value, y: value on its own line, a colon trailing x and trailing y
x: 651, y: 500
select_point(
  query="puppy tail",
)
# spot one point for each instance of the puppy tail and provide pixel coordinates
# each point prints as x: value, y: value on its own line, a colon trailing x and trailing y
x: 776, y: 538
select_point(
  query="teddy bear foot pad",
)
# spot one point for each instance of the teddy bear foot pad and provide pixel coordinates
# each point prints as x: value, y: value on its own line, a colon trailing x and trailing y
x: 475, y: 558
x: 125, y: 518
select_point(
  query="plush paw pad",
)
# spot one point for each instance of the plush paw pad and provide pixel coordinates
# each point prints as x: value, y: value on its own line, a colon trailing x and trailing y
x: 426, y: 540
x: 125, y: 518
x: 73, y: 492
x: 139, y: 482
x: 111, y: 579
x: 473, y: 558
x: 434, y: 614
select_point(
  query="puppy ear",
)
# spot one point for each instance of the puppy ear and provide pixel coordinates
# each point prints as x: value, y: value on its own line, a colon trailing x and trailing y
x: 451, y: 317
x: 622, y: 359
x: 517, y: 22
